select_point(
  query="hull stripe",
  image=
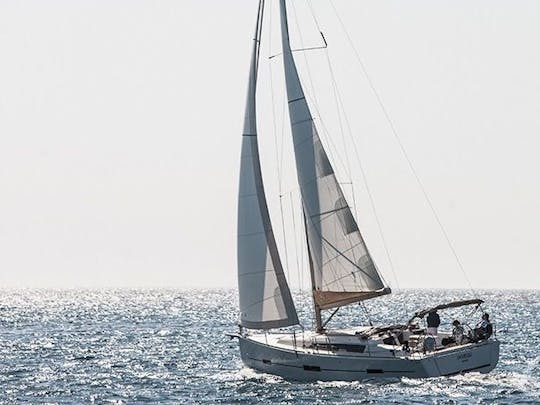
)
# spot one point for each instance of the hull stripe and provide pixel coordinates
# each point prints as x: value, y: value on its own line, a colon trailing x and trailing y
x: 317, y: 368
x: 470, y: 369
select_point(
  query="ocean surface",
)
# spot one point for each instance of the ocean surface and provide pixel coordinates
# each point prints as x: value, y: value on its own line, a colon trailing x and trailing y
x: 169, y: 346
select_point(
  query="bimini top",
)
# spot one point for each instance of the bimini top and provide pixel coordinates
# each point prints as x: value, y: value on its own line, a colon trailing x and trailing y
x: 454, y: 304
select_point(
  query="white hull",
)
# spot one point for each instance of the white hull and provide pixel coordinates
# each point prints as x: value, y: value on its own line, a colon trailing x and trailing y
x: 264, y: 353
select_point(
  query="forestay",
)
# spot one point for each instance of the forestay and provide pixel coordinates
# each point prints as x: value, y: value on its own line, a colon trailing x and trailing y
x: 343, y: 270
x: 265, y: 299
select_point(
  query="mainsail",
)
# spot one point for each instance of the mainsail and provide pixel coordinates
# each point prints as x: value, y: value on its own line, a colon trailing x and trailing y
x: 342, y: 269
x: 265, y: 298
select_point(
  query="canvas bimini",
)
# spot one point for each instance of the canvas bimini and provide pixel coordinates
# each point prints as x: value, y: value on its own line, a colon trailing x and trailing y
x: 341, y: 267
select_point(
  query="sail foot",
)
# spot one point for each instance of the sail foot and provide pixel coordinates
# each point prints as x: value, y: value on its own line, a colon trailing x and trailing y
x: 334, y: 299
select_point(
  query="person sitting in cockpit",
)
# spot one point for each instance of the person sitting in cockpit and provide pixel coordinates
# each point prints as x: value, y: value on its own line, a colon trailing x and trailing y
x: 458, y: 333
x: 484, y: 329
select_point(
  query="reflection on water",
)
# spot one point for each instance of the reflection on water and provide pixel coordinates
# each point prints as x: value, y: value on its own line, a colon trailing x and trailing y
x: 169, y: 345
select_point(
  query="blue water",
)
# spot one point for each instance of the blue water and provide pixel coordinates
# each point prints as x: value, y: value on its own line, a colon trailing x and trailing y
x: 169, y: 346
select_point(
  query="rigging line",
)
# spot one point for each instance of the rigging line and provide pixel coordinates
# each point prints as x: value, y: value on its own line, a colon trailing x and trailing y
x: 352, y: 246
x: 333, y: 149
x: 355, y: 206
x: 312, y: 88
x: 367, y: 312
x: 281, y: 153
x: 299, y: 273
x: 341, y: 109
x: 279, y: 173
x: 315, y: 18
x: 304, y: 254
x: 330, y: 317
x: 273, y: 103
x: 312, y: 94
x: 311, y: 48
x: 315, y: 105
x: 339, y: 113
x: 305, y: 57
x: 264, y: 299
x: 290, y: 191
x: 347, y: 161
x: 363, y: 173
x: 282, y: 131
x: 330, y: 264
x: 341, y: 130
x: 402, y: 147
x: 258, y: 35
x: 347, y: 165
x: 342, y: 254
x: 358, y: 268
x: 284, y: 236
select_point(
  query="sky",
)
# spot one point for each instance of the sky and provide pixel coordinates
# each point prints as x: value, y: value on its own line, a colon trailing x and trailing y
x: 120, y: 126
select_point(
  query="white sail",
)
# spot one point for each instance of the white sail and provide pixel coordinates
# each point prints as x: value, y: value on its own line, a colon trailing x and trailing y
x: 265, y: 298
x: 342, y: 268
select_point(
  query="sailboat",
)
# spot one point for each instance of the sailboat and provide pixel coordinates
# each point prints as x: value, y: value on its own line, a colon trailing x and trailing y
x: 342, y: 269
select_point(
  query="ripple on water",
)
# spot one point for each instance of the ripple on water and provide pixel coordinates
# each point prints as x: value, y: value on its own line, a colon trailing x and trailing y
x: 169, y: 346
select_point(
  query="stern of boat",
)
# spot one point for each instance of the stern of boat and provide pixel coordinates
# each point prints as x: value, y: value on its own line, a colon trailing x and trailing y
x: 479, y: 357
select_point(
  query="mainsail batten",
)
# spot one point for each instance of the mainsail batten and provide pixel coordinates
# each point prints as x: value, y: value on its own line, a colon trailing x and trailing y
x: 343, y: 270
x: 265, y: 298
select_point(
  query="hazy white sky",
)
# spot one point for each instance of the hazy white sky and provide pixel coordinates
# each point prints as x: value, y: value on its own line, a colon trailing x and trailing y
x: 120, y: 127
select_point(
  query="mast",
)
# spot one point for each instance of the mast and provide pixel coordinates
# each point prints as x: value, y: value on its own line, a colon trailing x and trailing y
x: 316, y: 308
x: 265, y: 298
x: 342, y: 270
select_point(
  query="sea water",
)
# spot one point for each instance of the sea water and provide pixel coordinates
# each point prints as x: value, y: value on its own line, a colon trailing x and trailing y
x: 169, y: 346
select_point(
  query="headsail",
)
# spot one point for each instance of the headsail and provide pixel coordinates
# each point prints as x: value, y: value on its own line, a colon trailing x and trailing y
x: 265, y: 298
x: 343, y: 270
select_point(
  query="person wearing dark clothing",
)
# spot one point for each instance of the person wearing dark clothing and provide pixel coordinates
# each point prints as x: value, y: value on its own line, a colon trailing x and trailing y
x: 484, y: 329
x: 433, y: 322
